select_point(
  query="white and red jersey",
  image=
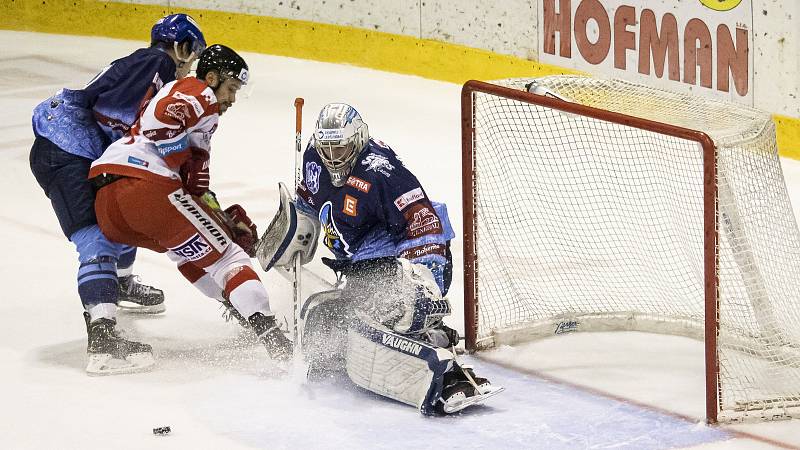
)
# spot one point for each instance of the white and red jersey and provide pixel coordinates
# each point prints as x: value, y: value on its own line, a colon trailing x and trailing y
x: 177, y: 124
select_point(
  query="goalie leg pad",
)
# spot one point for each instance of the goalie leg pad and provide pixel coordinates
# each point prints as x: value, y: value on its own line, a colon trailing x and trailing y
x: 324, y: 337
x: 395, y: 366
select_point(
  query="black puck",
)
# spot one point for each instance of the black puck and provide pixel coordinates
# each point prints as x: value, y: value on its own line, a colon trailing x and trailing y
x: 161, y: 431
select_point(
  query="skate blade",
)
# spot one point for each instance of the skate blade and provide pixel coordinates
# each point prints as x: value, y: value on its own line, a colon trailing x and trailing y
x: 458, y: 402
x: 135, y: 308
x: 104, y: 364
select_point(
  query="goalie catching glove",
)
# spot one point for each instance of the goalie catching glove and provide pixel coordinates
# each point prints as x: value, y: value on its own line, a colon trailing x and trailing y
x: 291, y: 232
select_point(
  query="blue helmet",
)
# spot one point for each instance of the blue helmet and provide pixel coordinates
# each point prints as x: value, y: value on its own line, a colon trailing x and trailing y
x: 177, y: 28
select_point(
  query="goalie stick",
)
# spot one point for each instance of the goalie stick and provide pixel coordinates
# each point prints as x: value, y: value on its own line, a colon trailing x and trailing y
x: 297, y: 263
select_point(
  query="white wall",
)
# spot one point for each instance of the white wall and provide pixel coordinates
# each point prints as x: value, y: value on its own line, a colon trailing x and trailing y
x: 512, y: 27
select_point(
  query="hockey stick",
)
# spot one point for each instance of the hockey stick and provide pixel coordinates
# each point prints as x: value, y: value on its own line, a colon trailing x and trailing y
x: 298, y: 177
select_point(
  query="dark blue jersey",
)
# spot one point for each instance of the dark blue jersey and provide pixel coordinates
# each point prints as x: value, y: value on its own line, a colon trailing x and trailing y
x: 381, y: 210
x: 84, y: 122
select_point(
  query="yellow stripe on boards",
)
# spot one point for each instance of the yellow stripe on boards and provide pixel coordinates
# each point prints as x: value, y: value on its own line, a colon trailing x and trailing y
x: 300, y: 39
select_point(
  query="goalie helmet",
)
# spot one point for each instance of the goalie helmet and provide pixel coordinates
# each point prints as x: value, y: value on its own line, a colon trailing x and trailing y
x: 178, y: 28
x: 225, y: 61
x: 340, y: 136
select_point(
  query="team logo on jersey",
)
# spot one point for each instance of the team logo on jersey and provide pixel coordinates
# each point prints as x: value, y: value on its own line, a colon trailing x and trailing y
x: 378, y: 163
x: 178, y: 111
x: 408, y: 198
x: 350, y: 206
x: 358, y: 183
x: 422, y: 221
x: 312, y: 176
x: 331, y: 237
x: 193, y: 249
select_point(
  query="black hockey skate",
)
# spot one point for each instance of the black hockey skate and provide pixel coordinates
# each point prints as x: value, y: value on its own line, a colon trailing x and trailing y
x: 278, y: 345
x: 462, y: 389
x: 110, y: 354
x: 139, y: 298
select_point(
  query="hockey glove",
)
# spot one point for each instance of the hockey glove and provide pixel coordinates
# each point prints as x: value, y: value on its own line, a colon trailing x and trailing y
x: 244, y: 230
x: 195, y: 174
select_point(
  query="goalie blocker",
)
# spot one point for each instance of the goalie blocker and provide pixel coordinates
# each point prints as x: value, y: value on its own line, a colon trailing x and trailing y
x: 291, y: 231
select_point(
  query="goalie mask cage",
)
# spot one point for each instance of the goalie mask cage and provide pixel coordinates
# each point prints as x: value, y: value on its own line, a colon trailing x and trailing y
x: 610, y: 211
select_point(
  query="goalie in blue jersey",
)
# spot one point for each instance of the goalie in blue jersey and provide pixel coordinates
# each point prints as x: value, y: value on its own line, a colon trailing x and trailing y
x: 384, y: 325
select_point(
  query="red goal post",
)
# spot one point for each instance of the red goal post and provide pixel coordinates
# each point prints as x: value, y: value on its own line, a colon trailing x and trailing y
x: 492, y: 112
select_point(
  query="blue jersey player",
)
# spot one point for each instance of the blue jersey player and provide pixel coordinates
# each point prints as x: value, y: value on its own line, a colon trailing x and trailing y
x: 391, y: 247
x: 72, y: 129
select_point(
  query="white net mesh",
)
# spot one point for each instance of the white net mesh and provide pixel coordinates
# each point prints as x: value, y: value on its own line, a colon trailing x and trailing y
x: 586, y: 225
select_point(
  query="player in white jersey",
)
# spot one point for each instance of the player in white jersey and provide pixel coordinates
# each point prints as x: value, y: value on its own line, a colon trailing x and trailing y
x: 153, y: 192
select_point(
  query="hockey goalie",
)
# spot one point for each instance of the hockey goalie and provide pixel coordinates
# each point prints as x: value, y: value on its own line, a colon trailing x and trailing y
x: 383, y: 325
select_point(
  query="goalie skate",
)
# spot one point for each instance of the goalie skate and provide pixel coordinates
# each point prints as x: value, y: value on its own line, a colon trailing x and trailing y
x: 460, y: 400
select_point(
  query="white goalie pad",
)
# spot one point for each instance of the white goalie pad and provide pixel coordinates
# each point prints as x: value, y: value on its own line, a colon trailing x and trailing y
x: 395, y: 366
x: 291, y: 231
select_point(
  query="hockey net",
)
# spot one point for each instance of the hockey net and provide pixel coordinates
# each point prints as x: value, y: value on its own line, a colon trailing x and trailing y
x: 608, y: 212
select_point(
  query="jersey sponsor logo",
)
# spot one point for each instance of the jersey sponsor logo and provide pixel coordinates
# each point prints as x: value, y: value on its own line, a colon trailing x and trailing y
x: 422, y: 250
x: 567, y: 327
x: 312, y: 176
x: 358, y: 183
x: 350, y: 206
x: 408, y: 198
x: 332, y: 238
x: 172, y: 147
x: 378, y: 163
x: 192, y: 101
x: 160, y: 134
x: 137, y: 161
x: 404, y: 345
x: 199, y: 218
x: 421, y: 221
x: 193, y: 249
x: 178, y: 111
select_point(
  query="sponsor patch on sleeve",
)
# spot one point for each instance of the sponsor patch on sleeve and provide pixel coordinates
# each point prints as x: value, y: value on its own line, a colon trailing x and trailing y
x: 422, y: 220
x: 408, y: 198
x: 192, y: 101
x: 423, y: 250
